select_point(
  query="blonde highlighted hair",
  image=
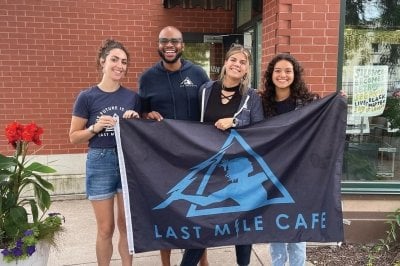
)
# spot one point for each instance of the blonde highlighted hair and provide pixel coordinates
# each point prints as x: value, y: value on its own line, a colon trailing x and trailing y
x: 245, y: 82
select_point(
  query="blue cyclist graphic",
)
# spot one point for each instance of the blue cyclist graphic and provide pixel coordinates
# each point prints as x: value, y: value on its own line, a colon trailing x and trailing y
x: 246, y: 190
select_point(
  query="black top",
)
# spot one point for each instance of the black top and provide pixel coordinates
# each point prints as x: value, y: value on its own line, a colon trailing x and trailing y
x: 215, y: 109
x: 285, y: 106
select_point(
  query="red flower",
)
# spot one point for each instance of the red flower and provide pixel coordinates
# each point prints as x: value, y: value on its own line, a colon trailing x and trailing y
x: 14, y: 133
x: 32, y: 133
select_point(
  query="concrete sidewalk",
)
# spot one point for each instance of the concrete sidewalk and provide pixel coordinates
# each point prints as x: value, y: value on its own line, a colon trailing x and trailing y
x: 76, y: 246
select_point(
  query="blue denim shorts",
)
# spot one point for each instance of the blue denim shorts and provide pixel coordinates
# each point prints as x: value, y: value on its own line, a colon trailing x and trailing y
x: 103, y: 179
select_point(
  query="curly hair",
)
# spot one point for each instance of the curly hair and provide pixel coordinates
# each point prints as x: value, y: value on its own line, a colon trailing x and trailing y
x: 298, y: 89
x: 104, y: 51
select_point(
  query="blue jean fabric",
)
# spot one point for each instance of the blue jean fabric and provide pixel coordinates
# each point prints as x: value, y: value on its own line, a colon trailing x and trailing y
x: 103, y: 179
x: 192, y: 256
x: 295, y: 252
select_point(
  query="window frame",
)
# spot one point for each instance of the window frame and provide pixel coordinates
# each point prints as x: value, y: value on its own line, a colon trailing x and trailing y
x: 359, y: 187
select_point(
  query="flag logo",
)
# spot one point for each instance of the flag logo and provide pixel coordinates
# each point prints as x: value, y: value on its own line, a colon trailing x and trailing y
x: 244, y: 192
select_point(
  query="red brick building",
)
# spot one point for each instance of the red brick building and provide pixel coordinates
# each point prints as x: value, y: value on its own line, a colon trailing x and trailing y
x: 48, y: 51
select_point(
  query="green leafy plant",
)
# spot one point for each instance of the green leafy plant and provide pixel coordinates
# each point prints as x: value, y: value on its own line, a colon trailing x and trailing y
x: 359, y: 164
x: 23, y: 220
x: 391, y: 241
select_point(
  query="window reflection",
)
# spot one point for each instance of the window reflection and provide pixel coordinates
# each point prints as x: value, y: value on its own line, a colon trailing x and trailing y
x: 199, y: 54
x: 372, y: 47
x: 247, y: 10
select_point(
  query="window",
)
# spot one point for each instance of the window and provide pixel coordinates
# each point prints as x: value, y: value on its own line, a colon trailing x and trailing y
x: 199, y: 54
x: 249, y: 23
x: 248, y: 10
x: 371, y: 78
x: 208, y: 50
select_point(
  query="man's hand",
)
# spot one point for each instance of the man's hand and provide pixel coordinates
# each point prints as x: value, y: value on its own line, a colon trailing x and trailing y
x: 153, y: 115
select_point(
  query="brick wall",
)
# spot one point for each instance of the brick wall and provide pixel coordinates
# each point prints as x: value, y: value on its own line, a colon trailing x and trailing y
x: 48, y: 51
x: 309, y: 30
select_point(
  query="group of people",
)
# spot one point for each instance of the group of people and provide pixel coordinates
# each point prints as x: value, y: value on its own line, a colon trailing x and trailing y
x: 175, y: 88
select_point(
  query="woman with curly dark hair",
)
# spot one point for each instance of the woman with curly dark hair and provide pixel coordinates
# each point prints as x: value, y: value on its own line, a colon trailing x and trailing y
x: 285, y: 91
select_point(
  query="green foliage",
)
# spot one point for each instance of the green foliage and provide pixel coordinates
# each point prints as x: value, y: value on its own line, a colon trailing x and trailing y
x: 390, y: 242
x: 23, y: 220
x: 25, y: 245
x: 359, y: 165
x: 14, y: 177
x: 50, y: 227
x: 392, y: 111
x: 197, y: 53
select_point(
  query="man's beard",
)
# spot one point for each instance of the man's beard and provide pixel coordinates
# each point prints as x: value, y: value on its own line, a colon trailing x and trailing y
x: 178, y: 55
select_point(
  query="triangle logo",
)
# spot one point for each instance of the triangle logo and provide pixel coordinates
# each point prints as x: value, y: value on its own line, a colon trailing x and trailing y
x: 249, y: 177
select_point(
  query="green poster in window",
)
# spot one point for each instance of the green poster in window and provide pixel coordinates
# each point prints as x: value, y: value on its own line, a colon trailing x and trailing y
x: 370, y: 85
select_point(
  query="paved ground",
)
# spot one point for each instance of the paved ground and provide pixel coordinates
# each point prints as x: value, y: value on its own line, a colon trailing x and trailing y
x: 77, y: 243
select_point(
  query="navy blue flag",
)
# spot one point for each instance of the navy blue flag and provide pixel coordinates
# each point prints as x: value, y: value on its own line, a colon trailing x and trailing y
x: 190, y: 185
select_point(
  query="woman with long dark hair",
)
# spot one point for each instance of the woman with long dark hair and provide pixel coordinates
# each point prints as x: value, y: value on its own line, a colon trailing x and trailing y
x: 285, y: 90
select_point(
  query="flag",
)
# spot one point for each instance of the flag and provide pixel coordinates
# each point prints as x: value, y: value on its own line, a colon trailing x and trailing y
x: 190, y: 185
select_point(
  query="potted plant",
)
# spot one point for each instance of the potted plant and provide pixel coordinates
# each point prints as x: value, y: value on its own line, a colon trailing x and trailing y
x: 24, y: 221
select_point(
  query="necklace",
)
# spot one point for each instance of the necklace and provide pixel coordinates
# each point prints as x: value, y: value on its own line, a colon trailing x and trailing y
x: 234, y: 88
x: 225, y: 98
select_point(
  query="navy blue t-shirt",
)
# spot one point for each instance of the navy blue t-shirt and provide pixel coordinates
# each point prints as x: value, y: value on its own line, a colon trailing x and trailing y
x: 93, y: 103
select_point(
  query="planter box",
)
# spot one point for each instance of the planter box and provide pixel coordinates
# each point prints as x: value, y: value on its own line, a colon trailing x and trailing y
x: 39, y: 258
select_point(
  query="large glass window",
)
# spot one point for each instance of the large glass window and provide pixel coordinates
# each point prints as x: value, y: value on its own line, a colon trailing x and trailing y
x: 371, y: 78
x: 247, y: 10
x: 249, y: 23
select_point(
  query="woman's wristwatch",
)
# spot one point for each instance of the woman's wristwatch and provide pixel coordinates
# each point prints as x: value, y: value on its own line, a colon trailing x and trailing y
x: 91, y: 129
x: 234, y: 122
